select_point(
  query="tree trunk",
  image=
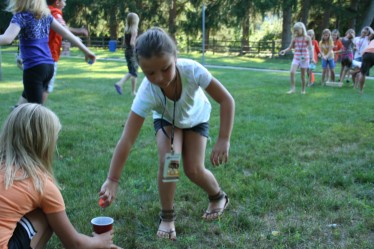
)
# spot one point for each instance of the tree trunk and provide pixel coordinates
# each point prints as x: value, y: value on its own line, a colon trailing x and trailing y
x: 207, y: 31
x: 245, y: 33
x: 369, y: 17
x: 305, y: 11
x: 325, y: 19
x: 354, y: 7
x: 286, y: 26
x: 113, y: 25
x: 172, y: 18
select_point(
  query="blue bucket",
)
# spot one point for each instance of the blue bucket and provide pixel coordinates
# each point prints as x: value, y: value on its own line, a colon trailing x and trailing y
x: 112, y: 45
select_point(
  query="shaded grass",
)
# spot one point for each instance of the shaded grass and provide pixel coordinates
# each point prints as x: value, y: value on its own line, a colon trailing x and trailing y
x: 298, y: 163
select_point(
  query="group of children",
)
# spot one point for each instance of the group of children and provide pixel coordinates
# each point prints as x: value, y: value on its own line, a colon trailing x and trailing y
x: 331, y: 49
x: 31, y: 204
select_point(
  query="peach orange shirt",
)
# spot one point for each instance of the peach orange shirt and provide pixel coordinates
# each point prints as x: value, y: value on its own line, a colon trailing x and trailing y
x: 20, y: 199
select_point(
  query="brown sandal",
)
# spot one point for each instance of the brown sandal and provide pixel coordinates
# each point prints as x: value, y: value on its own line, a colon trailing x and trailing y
x: 167, y: 216
x: 217, y: 212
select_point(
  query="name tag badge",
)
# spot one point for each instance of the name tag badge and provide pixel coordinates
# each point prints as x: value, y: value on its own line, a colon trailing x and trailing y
x: 171, y: 167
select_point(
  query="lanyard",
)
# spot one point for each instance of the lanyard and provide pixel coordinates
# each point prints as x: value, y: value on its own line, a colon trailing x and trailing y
x: 173, y: 122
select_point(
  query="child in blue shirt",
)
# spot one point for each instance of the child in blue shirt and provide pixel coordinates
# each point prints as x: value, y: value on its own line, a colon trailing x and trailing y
x: 32, y: 22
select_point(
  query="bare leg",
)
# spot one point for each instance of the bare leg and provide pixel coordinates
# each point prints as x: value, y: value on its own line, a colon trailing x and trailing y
x: 332, y: 75
x: 303, y: 72
x: 362, y: 78
x: 193, y: 162
x: 167, y: 189
x: 44, y: 231
x: 123, y: 79
x: 133, y: 85
x: 309, y: 77
x: 292, y: 78
x: 324, y: 72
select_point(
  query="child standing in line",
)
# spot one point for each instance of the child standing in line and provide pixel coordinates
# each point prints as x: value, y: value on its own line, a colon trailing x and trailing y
x: 55, y: 39
x: 367, y: 61
x: 131, y: 32
x: 335, y: 34
x: 31, y: 204
x: 328, y: 64
x: 361, y: 42
x: 32, y: 21
x: 302, y: 45
x: 173, y: 90
x: 315, y: 52
x: 347, y: 49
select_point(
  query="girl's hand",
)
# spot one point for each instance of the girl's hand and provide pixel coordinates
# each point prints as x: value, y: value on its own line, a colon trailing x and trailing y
x: 108, y: 193
x: 105, y: 240
x: 90, y: 57
x: 282, y: 52
x: 220, y: 152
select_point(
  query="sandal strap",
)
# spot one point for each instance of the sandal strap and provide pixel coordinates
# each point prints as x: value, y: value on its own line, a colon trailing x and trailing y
x: 168, y: 215
x: 217, y: 197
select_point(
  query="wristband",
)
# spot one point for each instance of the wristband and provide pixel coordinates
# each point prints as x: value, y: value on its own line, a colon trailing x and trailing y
x: 113, y: 179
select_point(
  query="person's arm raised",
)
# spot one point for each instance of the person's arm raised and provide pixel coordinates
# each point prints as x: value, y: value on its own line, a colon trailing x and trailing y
x: 65, y: 33
x: 10, y: 34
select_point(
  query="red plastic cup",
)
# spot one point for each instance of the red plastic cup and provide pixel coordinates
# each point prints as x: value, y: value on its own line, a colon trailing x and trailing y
x: 102, y: 224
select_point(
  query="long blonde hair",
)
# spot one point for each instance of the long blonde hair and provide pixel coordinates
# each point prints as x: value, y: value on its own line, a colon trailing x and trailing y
x: 132, y: 22
x: 330, y: 41
x: 38, y: 7
x: 27, y: 144
x: 300, y: 25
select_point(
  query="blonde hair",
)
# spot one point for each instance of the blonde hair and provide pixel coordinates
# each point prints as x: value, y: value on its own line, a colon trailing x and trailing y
x: 300, y: 25
x: 311, y: 31
x: 38, y: 7
x: 27, y: 144
x: 330, y: 41
x: 132, y: 22
x: 335, y: 31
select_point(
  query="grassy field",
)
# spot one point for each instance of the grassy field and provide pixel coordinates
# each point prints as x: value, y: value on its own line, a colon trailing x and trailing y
x: 300, y: 175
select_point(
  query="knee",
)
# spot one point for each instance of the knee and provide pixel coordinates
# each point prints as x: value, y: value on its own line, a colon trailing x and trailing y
x: 192, y: 173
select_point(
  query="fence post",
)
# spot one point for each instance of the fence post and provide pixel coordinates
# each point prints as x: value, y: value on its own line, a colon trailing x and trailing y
x: 272, y: 49
x: 1, y: 69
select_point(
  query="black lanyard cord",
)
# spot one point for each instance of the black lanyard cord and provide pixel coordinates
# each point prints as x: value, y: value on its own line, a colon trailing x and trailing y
x: 173, y: 122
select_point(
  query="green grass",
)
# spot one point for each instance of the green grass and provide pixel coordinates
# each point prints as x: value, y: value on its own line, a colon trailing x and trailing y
x: 297, y: 163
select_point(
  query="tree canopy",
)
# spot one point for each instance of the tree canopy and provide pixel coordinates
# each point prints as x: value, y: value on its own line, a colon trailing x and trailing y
x: 225, y: 19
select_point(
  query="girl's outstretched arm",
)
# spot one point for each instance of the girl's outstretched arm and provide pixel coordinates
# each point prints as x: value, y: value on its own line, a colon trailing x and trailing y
x: 70, y: 238
x: 10, y: 34
x: 65, y: 33
x: 119, y: 158
x: 283, y: 52
x: 220, y: 94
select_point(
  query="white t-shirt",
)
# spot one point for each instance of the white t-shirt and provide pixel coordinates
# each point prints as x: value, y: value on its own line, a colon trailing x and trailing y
x: 191, y: 109
x: 361, y: 43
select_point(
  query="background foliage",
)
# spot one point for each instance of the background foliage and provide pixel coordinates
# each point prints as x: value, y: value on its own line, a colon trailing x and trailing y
x: 225, y: 19
x: 300, y: 173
